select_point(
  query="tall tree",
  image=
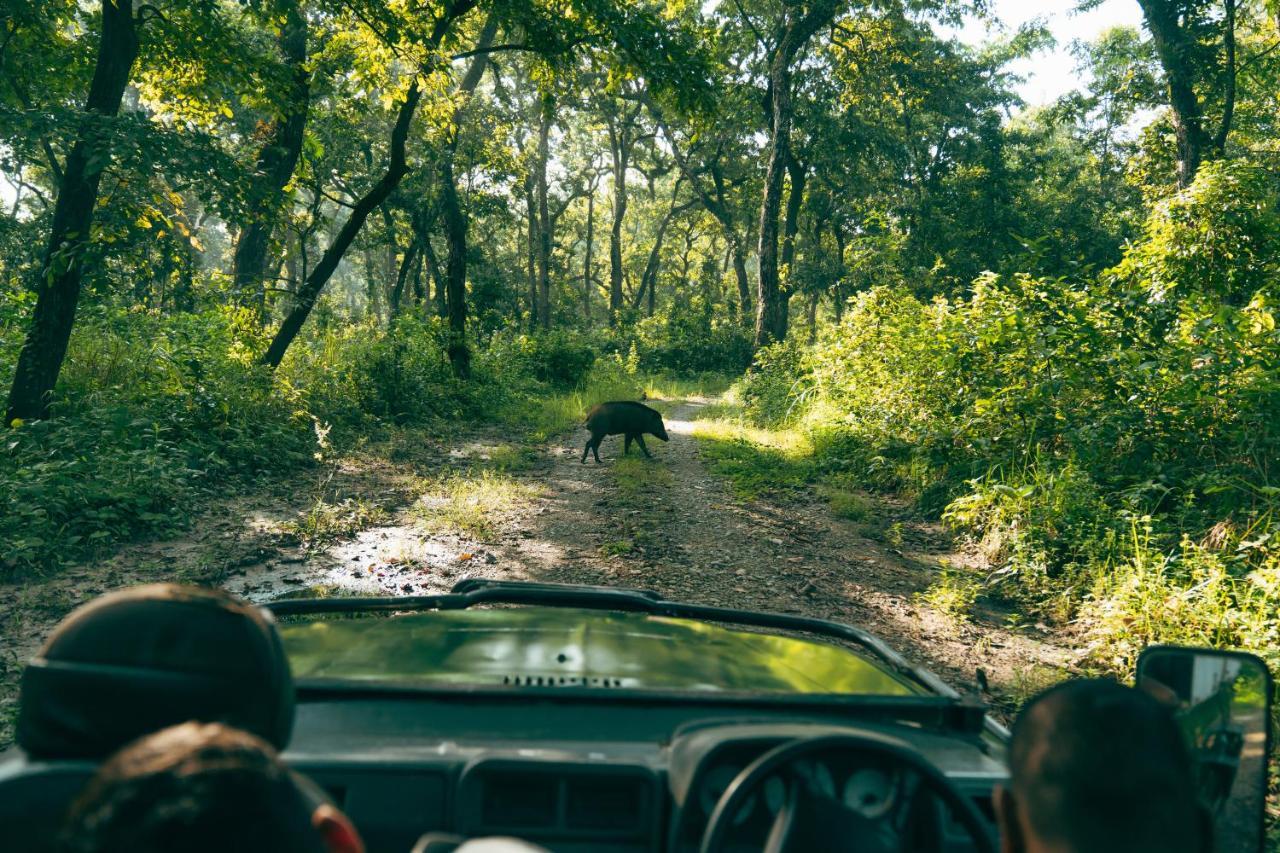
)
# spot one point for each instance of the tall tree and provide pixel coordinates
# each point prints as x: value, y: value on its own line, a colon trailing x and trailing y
x: 397, y: 168
x: 455, y: 218
x: 621, y: 118
x: 795, y: 26
x: 278, y: 157
x: 1186, y: 34
x: 45, y: 347
x: 546, y: 118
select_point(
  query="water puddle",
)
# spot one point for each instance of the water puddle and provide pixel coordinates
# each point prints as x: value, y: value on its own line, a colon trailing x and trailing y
x: 380, y: 561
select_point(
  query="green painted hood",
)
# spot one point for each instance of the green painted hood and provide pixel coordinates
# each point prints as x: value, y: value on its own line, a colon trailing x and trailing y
x: 552, y: 646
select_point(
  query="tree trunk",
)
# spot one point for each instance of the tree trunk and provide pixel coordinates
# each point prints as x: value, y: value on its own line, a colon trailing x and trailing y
x: 455, y: 230
x: 621, y: 153
x: 649, y: 280
x: 61, y: 271
x: 1229, y: 108
x: 324, y: 269
x: 371, y: 284
x: 739, y: 256
x: 771, y: 303
x: 771, y: 319
x: 798, y: 173
x: 813, y: 316
x: 587, y: 279
x: 1174, y: 48
x: 391, y: 266
x: 546, y: 115
x: 455, y: 218
x: 276, y: 163
x: 531, y: 223
x: 402, y: 277
x: 440, y: 300
x: 418, y: 296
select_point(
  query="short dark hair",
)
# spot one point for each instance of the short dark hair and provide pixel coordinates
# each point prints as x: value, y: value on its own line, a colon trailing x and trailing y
x: 1102, y: 767
x: 194, y: 787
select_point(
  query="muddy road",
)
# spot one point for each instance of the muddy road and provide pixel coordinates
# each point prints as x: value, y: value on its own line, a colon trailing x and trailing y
x: 669, y: 524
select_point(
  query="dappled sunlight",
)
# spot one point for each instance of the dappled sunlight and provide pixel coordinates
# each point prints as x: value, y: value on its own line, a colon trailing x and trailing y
x: 676, y: 426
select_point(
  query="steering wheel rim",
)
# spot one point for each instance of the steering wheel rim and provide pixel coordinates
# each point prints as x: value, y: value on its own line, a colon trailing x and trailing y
x: 753, y: 776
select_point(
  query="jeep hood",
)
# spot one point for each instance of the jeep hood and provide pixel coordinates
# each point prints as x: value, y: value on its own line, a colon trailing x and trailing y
x: 558, y: 647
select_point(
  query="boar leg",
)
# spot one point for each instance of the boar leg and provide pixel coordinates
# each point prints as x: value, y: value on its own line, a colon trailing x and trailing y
x: 593, y: 445
x: 640, y: 441
x: 626, y: 445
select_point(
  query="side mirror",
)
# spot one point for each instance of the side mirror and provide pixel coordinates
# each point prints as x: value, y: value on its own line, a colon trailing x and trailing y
x: 1223, y: 703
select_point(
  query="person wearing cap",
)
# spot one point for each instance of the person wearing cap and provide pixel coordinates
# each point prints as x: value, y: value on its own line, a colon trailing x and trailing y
x: 199, y: 787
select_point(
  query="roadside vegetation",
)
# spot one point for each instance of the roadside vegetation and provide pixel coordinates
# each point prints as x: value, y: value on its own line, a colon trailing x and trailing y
x: 1106, y: 443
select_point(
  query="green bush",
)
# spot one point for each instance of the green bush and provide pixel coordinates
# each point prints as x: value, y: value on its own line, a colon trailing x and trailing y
x: 561, y: 357
x: 689, y: 341
x: 1041, y: 417
x: 774, y: 391
x: 157, y: 412
x: 150, y: 413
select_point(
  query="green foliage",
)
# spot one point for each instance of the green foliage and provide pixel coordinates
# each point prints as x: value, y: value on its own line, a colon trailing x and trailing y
x: 953, y: 594
x: 156, y: 414
x: 562, y: 357
x: 1219, y: 239
x: 1044, y: 418
x: 151, y: 414
x: 688, y: 341
x: 775, y: 389
x: 1220, y: 592
x: 324, y: 523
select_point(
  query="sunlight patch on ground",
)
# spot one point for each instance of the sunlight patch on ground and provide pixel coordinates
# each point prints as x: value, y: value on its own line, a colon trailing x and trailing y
x: 679, y: 427
x: 474, y: 504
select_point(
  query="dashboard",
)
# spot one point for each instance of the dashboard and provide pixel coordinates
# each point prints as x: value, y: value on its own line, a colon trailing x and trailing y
x: 581, y: 777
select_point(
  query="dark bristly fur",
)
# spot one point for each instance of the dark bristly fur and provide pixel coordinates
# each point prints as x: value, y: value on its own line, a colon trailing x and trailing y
x: 623, y: 417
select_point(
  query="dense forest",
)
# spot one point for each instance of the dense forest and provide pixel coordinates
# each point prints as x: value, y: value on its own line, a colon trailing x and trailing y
x: 236, y: 233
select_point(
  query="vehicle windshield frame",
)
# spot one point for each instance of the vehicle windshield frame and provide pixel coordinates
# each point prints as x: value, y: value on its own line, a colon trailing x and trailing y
x: 939, y: 701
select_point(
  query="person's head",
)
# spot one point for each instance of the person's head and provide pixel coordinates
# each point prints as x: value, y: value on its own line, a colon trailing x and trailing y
x: 200, y: 787
x: 138, y: 660
x: 1095, y: 766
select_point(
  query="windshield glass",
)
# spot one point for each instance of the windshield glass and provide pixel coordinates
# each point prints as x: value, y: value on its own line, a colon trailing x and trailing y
x: 562, y: 647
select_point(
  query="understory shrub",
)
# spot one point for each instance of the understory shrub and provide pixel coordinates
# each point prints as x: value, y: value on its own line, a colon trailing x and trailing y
x: 689, y: 340
x: 156, y: 412
x: 1045, y: 418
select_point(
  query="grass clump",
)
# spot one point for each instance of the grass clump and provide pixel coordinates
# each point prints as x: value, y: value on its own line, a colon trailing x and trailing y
x: 474, y: 503
x: 845, y: 501
x: 323, y: 523
x: 757, y: 462
x: 953, y: 594
x: 638, y: 478
x: 617, y: 548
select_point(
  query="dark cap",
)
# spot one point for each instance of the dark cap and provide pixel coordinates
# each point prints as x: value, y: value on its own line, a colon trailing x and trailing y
x: 133, y: 662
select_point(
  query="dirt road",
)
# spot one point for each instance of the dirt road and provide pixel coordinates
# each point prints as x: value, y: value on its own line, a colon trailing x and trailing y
x: 669, y: 525
x: 675, y: 527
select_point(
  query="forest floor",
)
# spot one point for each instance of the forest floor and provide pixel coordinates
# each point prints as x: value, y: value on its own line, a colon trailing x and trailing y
x: 414, y: 514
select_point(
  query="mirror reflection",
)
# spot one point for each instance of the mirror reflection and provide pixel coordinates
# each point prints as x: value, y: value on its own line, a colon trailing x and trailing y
x: 1222, y: 703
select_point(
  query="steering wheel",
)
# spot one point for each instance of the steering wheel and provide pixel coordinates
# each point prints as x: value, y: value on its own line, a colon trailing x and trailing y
x: 812, y: 820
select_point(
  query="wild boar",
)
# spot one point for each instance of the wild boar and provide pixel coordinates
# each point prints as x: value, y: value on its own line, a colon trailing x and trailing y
x: 623, y: 418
